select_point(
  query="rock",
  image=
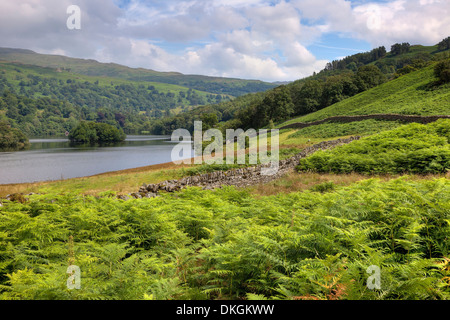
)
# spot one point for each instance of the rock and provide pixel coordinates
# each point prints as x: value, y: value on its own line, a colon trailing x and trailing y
x: 16, y: 197
x: 136, y: 195
x: 153, y: 188
x: 151, y: 195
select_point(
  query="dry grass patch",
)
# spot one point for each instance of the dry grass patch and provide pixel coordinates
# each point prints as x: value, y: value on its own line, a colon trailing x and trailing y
x: 294, y: 182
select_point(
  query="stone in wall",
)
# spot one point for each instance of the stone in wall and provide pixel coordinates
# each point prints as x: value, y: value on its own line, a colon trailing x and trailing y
x: 237, y: 177
x: 381, y: 116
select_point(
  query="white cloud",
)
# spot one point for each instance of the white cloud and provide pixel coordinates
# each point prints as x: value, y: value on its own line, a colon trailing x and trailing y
x: 237, y: 38
x: 416, y: 21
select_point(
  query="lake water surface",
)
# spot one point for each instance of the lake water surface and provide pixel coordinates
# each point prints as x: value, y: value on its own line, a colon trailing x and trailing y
x: 54, y: 159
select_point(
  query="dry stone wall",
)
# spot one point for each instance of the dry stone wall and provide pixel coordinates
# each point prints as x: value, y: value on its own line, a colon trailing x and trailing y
x: 237, y: 177
x: 382, y: 116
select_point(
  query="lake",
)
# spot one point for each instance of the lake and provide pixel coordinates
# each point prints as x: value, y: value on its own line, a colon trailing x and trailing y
x: 55, y: 159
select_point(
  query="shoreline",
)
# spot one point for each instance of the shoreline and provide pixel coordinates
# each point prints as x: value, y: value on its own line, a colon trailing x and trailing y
x: 165, y: 165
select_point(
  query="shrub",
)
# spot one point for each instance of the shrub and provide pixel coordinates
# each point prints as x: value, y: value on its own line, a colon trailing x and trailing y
x: 442, y: 71
x: 324, y: 187
x: 11, y: 138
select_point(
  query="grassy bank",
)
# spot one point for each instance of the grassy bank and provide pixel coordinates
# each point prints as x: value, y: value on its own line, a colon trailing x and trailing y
x: 415, y: 93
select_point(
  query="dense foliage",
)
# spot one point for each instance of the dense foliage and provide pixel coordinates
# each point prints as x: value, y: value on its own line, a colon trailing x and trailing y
x: 226, y: 244
x: 444, y: 44
x: 413, y: 148
x: 355, y: 61
x: 442, y: 71
x: 415, y: 93
x: 12, y: 139
x: 92, y: 132
x: 400, y: 48
x: 41, y: 101
x: 281, y: 103
x: 75, y: 97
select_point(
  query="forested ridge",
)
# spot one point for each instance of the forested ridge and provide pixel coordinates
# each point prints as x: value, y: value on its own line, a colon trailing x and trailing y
x: 41, y: 101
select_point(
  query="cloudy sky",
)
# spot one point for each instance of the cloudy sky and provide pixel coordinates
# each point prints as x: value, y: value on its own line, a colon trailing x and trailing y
x: 251, y: 39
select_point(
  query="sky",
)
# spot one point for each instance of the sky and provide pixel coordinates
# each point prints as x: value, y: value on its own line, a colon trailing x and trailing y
x: 254, y: 39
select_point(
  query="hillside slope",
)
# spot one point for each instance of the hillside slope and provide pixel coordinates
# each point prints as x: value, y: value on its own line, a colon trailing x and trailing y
x: 218, y: 85
x: 413, y: 94
x: 340, y: 80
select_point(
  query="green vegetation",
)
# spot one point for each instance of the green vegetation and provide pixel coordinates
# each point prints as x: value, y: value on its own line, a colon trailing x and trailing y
x: 228, y: 245
x: 444, y: 44
x: 415, y: 93
x: 313, y: 237
x: 214, y: 85
x: 67, y: 98
x: 400, y: 48
x: 341, y: 83
x: 46, y: 97
x: 413, y: 148
x: 336, y: 129
x: 442, y: 71
x: 92, y: 132
x: 12, y: 139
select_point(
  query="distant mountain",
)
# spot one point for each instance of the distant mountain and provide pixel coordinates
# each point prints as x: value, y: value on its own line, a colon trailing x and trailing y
x: 228, y: 86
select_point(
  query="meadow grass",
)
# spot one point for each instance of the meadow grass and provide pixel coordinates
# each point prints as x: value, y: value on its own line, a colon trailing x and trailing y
x: 411, y: 94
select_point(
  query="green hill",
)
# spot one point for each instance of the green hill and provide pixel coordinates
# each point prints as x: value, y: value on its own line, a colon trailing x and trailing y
x: 414, y: 94
x: 46, y: 101
x: 339, y: 81
x: 35, y: 82
x: 217, y: 85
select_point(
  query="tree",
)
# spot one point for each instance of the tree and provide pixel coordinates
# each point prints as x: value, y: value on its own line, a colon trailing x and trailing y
x: 368, y: 77
x: 444, y: 44
x: 278, y: 104
x: 91, y: 132
x: 209, y: 120
x: 308, y: 97
x: 442, y: 71
x: 398, y: 48
x: 332, y: 91
x: 11, y: 138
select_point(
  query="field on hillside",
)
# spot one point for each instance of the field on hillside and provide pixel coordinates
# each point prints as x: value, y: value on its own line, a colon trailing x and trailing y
x: 414, y: 93
x: 89, y: 67
x: 413, y: 148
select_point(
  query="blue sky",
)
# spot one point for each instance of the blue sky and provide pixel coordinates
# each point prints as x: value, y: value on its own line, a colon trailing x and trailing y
x: 269, y: 40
